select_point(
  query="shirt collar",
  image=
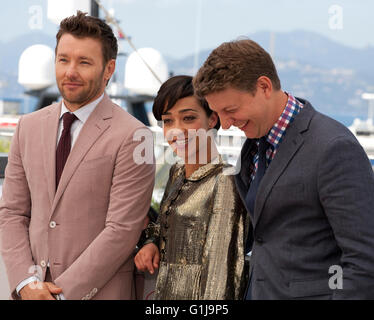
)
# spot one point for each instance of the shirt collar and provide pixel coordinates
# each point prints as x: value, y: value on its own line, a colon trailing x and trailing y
x: 202, y: 171
x: 206, y: 169
x: 83, y: 112
x: 278, y: 131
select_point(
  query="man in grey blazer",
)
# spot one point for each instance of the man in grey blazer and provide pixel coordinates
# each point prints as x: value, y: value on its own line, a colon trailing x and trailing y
x: 307, y: 183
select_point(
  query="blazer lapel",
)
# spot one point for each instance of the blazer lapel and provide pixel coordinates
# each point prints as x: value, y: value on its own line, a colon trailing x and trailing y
x: 243, y: 163
x: 292, y: 142
x: 49, y: 138
x: 94, y: 127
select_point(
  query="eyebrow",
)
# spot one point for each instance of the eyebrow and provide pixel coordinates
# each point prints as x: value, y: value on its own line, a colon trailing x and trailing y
x: 81, y: 57
x: 85, y: 58
x: 167, y: 113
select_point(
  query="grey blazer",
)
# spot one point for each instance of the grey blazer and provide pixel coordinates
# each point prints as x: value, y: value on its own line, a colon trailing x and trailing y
x: 314, y: 209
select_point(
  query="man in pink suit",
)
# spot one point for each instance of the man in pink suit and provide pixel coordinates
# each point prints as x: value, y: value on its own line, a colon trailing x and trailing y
x: 76, y: 192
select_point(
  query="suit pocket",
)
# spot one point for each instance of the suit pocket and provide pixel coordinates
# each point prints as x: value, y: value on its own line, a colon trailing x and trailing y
x: 95, y: 163
x: 292, y: 188
x: 292, y: 192
x: 309, y: 288
x: 93, y: 180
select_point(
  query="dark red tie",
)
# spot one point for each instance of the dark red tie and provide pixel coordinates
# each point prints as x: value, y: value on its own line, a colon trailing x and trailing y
x: 64, y: 145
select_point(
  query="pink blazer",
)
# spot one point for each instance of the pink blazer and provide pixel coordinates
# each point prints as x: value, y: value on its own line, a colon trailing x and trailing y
x: 88, y: 228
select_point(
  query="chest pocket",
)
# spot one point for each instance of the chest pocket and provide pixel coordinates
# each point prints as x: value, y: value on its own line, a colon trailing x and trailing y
x: 96, y: 163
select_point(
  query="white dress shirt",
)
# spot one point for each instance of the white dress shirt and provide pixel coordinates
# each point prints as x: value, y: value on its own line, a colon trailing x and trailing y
x: 82, y: 114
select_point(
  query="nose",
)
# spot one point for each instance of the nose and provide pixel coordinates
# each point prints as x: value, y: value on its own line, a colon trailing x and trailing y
x: 176, y: 133
x: 226, y: 122
x: 71, y: 71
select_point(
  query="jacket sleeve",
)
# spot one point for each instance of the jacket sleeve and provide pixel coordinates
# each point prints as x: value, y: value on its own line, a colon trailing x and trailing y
x: 130, y: 199
x: 346, y: 191
x: 15, y: 206
x: 223, y: 255
x: 153, y: 230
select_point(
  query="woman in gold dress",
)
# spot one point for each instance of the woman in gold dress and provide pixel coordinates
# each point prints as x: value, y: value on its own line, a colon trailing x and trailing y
x: 198, y: 240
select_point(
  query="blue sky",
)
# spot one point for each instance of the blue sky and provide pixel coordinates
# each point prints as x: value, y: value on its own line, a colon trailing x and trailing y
x: 174, y: 28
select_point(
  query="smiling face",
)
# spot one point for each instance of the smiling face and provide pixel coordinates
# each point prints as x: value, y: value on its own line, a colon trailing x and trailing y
x: 251, y: 113
x: 80, y: 74
x: 182, y: 125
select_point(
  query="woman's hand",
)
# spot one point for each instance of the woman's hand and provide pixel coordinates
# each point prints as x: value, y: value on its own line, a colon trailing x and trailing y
x: 148, y: 258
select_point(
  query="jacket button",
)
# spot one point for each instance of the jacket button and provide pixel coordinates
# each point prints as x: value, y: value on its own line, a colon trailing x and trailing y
x: 43, y: 264
x: 259, y: 240
x: 52, y: 224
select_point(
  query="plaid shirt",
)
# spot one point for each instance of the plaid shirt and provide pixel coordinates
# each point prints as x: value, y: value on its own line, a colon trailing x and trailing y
x: 277, y: 132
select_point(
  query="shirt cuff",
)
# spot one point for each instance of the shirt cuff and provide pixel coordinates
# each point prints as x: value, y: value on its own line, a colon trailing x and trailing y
x: 26, y: 282
x: 62, y: 297
x: 154, y: 240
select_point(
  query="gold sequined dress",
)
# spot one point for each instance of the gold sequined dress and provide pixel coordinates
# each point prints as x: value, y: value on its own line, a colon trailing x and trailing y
x: 200, y: 234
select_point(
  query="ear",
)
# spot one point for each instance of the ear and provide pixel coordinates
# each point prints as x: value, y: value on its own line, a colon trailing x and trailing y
x: 212, y: 121
x: 109, y: 69
x: 265, y: 85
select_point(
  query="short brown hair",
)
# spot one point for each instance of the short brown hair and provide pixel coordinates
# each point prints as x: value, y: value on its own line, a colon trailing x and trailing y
x: 175, y: 88
x: 235, y: 64
x: 82, y: 26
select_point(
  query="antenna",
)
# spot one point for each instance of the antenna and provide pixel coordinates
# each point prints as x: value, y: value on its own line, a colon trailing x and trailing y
x: 272, y: 45
x: 110, y: 19
x: 94, y: 9
x: 197, y: 35
x: 370, y: 98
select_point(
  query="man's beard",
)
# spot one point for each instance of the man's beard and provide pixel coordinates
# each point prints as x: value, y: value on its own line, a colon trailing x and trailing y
x: 87, y: 94
x: 81, y: 97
